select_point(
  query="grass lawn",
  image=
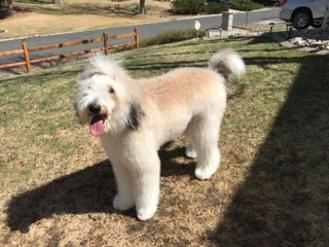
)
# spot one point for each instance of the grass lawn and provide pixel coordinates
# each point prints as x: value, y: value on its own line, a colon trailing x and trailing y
x: 271, y: 190
x: 42, y: 17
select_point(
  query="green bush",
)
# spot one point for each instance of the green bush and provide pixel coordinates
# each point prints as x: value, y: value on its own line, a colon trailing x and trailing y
x: 243, y: 6
x: 171, y: 36
x: 268, y: 2
x: 215, y: 8
x: 6, y: 8
x: 188, y: 7
x: 192, y: 7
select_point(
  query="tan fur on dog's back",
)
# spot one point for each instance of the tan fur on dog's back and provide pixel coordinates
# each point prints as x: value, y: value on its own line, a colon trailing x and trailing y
x: 182, y: 87
x: 175, y: 98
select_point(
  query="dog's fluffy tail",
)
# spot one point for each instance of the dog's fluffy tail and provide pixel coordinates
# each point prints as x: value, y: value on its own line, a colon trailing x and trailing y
x: 228, y: 63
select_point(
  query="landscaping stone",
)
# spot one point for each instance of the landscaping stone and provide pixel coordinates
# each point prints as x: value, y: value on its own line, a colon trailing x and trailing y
x: 310, y: 40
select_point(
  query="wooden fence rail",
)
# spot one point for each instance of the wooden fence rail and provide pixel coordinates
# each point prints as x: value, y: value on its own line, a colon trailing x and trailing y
x: 106, y: 47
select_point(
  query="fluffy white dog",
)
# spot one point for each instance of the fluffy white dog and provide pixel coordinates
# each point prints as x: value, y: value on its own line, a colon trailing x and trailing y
x: 133, y: 118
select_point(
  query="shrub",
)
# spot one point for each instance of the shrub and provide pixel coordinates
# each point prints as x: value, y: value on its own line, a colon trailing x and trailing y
x: 268, y: 2
x: 243, y: 6
x: 190, y: 7
x: 215, y: 7
x: 171, y: 36
x: 6, y: 7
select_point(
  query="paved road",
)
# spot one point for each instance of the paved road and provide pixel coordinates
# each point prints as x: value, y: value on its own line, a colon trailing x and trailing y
x: 146, y: 30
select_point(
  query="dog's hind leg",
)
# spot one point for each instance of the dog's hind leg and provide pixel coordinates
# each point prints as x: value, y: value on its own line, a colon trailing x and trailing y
x: 124, y: 199
x: 190, y: 151
x: 204, y: 133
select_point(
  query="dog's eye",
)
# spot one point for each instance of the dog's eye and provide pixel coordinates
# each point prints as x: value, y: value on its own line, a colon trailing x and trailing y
x: 111, y: 90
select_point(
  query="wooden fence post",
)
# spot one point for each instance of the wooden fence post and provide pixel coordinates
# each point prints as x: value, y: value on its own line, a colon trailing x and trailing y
x: 27, y: 56
x: 106, y: 43
x: 137, y: 38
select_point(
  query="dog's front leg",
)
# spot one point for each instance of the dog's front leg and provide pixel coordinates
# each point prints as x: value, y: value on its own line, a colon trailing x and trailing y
x: 124, y: 199
x: 147, y: 187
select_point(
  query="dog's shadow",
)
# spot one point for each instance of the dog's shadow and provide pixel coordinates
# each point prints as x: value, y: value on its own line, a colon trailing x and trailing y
x: 86, y: 191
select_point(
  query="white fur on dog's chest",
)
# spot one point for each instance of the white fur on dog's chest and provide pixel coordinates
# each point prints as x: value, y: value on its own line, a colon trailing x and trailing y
x: 127, y: 149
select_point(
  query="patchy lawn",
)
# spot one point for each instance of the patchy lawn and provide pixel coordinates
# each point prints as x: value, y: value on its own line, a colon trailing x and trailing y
x: 42, y: 17
x: 271, y: 190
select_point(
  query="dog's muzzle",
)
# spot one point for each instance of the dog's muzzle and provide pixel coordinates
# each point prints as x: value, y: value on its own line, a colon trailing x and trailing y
x: 98, y: 117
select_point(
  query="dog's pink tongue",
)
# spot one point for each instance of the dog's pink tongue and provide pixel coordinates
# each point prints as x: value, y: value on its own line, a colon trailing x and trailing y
x: 96, y: 127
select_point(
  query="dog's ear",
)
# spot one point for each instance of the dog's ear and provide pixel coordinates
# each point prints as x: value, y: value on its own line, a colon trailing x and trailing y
x: 136, y: 114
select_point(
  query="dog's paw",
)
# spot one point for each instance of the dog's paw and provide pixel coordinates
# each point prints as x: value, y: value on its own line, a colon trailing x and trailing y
x: 122, y: 204
x: 190, y: 152
x: 204, y: 173
x: 146, y: 213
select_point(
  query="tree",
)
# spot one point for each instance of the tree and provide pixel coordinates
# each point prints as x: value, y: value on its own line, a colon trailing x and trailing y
x: 142, y: 9
x: 6, y: 8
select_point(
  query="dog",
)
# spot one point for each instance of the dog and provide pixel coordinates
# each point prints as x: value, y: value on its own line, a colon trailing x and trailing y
x: 133, y: 118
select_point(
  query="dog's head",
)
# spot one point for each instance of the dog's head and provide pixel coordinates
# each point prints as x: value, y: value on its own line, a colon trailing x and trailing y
x: 103, y: 100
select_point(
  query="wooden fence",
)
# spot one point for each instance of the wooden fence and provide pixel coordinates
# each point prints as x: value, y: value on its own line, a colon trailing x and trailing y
x: 106, y: 47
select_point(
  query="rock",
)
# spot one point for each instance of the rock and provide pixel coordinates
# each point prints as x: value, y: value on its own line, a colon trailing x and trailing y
x: 307, y: 42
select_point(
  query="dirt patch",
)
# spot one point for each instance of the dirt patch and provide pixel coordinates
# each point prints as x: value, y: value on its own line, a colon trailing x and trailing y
x: 34, y: 17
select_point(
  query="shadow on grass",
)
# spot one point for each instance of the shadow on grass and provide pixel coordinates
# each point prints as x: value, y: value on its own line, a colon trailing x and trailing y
x: 86, y: 191
x: 262, y: 39
x: 167, y: 65
x: 170, y: 166
x: 284, y: 200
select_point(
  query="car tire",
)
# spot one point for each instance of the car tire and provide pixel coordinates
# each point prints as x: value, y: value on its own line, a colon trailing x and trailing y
x: 301, y: 19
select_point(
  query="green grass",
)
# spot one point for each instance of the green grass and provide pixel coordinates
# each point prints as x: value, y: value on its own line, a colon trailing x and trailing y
x: 271, y: 190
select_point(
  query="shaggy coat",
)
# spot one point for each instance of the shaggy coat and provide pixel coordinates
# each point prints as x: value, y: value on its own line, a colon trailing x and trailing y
x: 134, y: 118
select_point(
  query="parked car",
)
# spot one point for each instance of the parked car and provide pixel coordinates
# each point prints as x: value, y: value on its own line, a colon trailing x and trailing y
x: 303, y: 13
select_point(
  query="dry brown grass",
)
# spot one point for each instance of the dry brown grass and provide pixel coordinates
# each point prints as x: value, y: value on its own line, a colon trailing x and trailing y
x: 41, y: 17
x: 271, y: 190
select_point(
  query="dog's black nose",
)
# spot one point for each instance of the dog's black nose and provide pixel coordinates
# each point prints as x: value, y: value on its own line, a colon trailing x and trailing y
x: 94, y: 108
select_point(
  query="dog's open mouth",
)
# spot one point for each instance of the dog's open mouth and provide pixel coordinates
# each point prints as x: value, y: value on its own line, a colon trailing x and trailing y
x: 96, y: 126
